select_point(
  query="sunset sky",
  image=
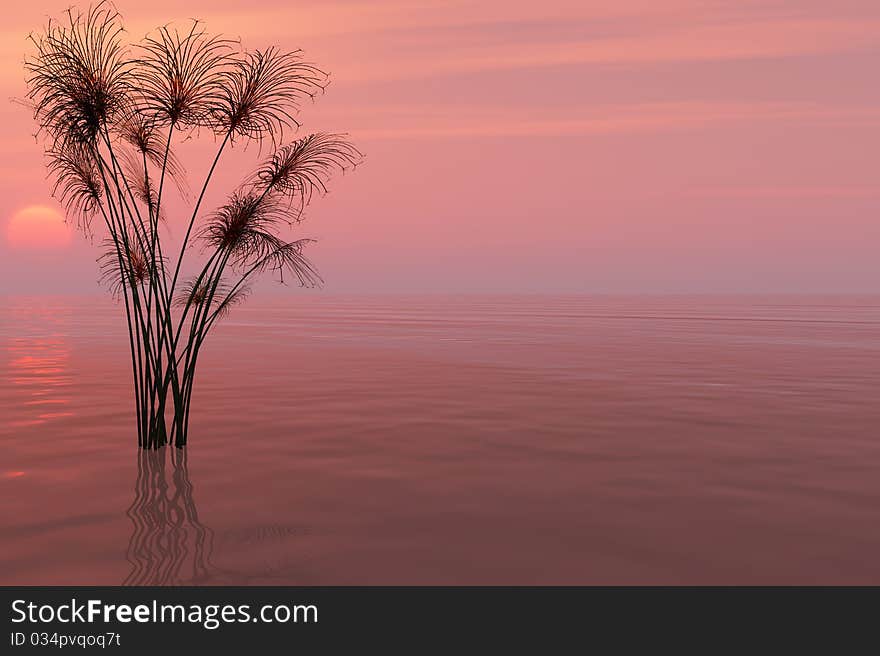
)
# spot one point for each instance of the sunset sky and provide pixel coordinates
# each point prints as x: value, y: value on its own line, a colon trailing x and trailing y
x: 558, y: 146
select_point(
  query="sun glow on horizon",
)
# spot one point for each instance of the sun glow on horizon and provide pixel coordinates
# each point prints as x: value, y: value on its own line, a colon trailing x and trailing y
x: 38, y: 227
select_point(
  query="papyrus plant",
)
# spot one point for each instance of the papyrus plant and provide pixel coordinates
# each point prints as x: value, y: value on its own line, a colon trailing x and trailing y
x: 109, y: 114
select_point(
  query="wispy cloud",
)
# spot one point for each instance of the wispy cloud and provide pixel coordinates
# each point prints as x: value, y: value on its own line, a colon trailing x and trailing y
x: 431, y: 121
x: 793, y: 192
x: 746, y: 41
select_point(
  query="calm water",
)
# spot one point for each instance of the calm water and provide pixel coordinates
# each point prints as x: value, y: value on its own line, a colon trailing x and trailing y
x: 443, y: 440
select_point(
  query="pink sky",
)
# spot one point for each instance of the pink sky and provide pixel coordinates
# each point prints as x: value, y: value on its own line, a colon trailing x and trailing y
x: 556, y: 146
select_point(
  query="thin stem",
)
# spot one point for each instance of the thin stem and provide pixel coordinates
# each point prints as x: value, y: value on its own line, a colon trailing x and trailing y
x: 195, y: 213
x: 124, y: 272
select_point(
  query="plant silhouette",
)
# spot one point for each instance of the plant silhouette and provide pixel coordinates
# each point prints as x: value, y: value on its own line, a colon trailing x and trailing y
x: 109, y: 114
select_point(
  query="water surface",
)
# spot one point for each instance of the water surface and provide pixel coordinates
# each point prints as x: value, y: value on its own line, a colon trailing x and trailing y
x: 435, y: 440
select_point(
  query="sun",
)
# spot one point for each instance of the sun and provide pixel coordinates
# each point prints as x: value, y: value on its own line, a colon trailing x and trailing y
x: 37, y: 227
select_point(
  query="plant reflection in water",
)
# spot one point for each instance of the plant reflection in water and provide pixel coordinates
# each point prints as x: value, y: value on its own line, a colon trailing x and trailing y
x: 169, y: 545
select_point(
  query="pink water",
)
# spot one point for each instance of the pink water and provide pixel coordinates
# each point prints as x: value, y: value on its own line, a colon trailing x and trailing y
x: 433, y: 440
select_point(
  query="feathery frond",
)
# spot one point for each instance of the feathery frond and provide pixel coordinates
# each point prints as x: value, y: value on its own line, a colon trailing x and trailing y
x: 289, y: 257
x: 77, y: 183
x: 236, y: 296
x: 181, y: 74
x: 136, y: 266
x: 246, y: 229
x: 302, y: 168
x: 262, y: 93
x: 196, y: 292
x: 80, y: 77
x: 136, y: 128
x: 244, y: 226
x: 140, y: 183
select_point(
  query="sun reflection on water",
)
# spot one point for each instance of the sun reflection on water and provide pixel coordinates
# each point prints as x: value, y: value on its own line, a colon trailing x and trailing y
x: 40, y: 374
